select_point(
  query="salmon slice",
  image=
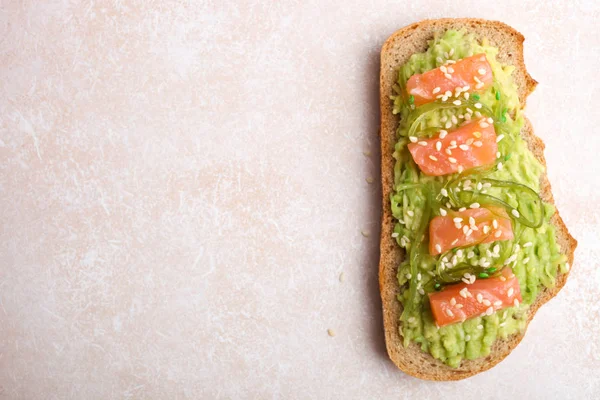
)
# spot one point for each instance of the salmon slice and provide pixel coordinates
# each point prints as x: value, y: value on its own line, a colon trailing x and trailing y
x: 468, y: 227
x: 474, y: 72
x: 472, y: 145
x: 458, y: 302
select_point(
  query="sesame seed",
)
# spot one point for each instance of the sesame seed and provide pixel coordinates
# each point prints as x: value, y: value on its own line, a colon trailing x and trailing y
x: 395, y: 234
x: 449, y: 312
x: 477, y: 114
x: 466, y: 95
x: 443, y: 134
x: 502, y: 324
x: 460, y: 169
x: 488, y: 253
x: 498, y: 154
x: 481, y: 71
x: 452, y: 160
x: 451, y: 52
x: 459, y: 306
x: 446, y: 54
x: 408, y: 276
x: 478, y: 143
x: 438, y: 146
x: 448, y: 125
x: 499, y: 138
x: 477, y: 134
x: 486, y: 229
x: 484, y: 125
x: 479, y: 326
x: 463, y: 147
x: 453, y: 143
x: 567, y: 267
x: 457, y: 102
x: 457, y: 219
x: 479, y: 297
x: 433, y: 158
x: 462, y: 209
x: 444, y: 192
x: 510, y: 292
x: 469, y: 232
x: 528, y: 244
x: 465, y: 229
x: 411, y: 213
x: 516, y: 303
x: 486, y: 302
x: 413, y: 139
x: 443, y: 212
x: 489, y: 311
x: 450, y: 70
x: 422, y: 143
x: 419, y: 276
x: 453, y: 301
x: 496, y: 248
x: 458, y: 225
x: 511, y: 259
x: 500, y: 166
x: 498, y: 234
x: 443, y: 69
x: 436, y: 90
x: 503, y: 279
x: 477, y: 105
x: 495, y: 224
x: 438, y: 248
x: 439, y: 59
x: 469, y: 110
x: 487, y: 185
x: 454, y: 260
x: 474, y: 205
x: 467, y: 338
x: 454, y: 120
x: 476, y: 79
x: 479, y: 186
x: 444, y: 98
x: 471, y: 220
x: 411, y: 320
x: 490, y: 120
x: 421, y: 292
x: 525, y: 260
x: 454, y: 242
x: 469, y: 141
x: 448, y: 76
x: 497, y: 303
x: 515, y: 213
x: 448, y: 93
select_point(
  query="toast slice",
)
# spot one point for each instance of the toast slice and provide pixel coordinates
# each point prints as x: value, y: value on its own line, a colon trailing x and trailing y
x: 395, y: 52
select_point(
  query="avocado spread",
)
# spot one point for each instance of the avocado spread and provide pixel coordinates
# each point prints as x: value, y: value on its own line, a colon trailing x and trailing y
x: 533, y: 254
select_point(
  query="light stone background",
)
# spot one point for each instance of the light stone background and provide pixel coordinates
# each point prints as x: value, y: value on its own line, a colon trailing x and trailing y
x: 182, y: 184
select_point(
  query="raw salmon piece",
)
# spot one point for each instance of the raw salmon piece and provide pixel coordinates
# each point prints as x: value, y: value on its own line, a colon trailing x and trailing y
x: 472, y: 145
x: 462, y: 301
x: 456, y: 229
x: 474, y: 72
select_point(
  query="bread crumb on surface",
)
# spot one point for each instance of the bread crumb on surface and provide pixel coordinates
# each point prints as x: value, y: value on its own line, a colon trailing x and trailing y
x: 331, y: 332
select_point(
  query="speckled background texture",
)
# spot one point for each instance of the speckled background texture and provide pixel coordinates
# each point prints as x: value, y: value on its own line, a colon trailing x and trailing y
x: 182, y: 183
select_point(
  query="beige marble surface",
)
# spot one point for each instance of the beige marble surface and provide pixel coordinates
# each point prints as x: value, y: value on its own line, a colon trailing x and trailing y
x: 182, y: 184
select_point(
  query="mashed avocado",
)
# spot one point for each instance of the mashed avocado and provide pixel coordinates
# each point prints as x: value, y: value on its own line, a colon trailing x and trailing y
x: 535, y: 255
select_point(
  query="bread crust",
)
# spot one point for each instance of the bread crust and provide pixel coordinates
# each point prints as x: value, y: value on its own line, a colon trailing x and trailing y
x: 395, y: 52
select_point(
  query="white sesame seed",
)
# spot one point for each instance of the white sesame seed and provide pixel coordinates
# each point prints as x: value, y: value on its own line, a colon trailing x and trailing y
x: 448, y: 76
x: 500, y: 166
x: 448, y: 93
x: 479, y: 326
x: 460, y: 169
x: 478, y: 143
x: 481, y: 71
x: 502, y: 324
x: 477, y: 105
x: 454, y: 260
x: 463, y: 293
x: 474, y: 205
x: 444, y: 98
x: 422, y: 143
x: 498, y: 154
x: 439, y: 60
x: 496, y: 248
x: 457, y: 219
x: 525, y: 260
x: 438, y: 146
x: 450, y: 70
x: 449, y: 312
x: 436, y: 90
x: 488, y: 253
x: 486, y: 229
x: 458, y: 225
x: 476, y: 79
x: 490, y: 120
x: 413, y: 139
x: 452, y: 160
x: 448, y: 125
x: 408, y: 276
x: 516, y: 303
x: 466, y: 95
x: 499, y: 138
x: 411, y: 213
x: 454, y: 120
x: 471, y: 221
x: 470, y: 255
x: 451, y: 52
x: 465, y: 229
x: 467, y: 338
x: 495, y: 224
x: 438, y: 248
x: 421, y: 292
x: 502, y: 278
x: 510, y: 292
x: 419, y: 276
x: 443, y: 134
x: 454, y: 242
x: 489, y: 311
x: 453, y: 143
x: 484, y: 125
x: 498, y: 234
x: 443, y: 69
x: 411, y: 320
x: 469, y: 232
x: 457, y: 102
x: 395, y: 234
x: 515, y: 213
x: 453, y: 301
x: 497, y: 303
x: 462, y: 209
x: 477, y: 134
x: 444, y: 192
x: 486, y: 302
x: 528, y: 244
x: 463, y: 147
x: 511, y: 259
x: 433, y: 158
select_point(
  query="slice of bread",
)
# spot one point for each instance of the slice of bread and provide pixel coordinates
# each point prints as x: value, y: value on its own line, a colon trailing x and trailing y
x: 395, y: 52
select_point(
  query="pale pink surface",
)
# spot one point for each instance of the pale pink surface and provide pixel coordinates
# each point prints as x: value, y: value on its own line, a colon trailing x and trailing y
x: 181, y: 186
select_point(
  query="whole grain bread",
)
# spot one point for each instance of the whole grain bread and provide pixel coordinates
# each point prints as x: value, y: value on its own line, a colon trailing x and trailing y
x: 395, y: 52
